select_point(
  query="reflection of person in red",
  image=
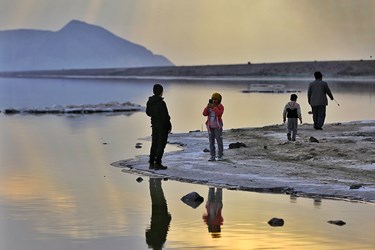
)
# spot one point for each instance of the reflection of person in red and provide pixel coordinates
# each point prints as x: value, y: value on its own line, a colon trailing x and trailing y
x: 213, y: 217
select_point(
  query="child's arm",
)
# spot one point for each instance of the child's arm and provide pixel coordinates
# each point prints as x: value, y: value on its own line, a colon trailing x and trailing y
x: 284, y: 114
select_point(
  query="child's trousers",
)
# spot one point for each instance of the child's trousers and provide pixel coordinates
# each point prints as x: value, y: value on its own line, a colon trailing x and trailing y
x: 216, y: 134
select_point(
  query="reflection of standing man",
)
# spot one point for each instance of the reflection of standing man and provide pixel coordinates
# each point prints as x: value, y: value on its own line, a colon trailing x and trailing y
x: 214, y: 205
x: 156, y: 235
x: 317, y: 98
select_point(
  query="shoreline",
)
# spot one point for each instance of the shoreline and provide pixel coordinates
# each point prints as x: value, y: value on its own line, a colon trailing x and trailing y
x: 331, y: 69
x: 340, y: 166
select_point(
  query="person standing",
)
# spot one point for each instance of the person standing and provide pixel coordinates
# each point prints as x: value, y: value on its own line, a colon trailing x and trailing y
x: 292, y: 111
x: 161, y: 125
x: 214, y: 111
x: 317, y: 98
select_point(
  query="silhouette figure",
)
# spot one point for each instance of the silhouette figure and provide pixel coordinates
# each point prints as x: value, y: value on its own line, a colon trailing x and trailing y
x: 213, y: 217
x: 156, y: 235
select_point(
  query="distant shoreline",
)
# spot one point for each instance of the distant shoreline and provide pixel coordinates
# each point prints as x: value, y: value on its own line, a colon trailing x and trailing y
x: 361, y: 69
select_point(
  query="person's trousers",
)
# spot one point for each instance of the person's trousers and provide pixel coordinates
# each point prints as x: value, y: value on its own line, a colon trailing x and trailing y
x: 159, y: 140
x: 292, y: 127
x: 216, y: 134
x: 319, y: 115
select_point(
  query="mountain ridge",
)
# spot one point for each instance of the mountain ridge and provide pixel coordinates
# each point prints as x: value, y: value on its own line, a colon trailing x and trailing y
x: 76, y: 45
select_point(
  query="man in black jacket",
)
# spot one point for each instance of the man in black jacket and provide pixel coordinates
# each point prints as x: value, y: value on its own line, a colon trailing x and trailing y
x: 161, y: 125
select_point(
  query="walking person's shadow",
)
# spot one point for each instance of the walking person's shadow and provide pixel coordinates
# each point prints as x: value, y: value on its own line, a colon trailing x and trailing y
x: 156, y: 234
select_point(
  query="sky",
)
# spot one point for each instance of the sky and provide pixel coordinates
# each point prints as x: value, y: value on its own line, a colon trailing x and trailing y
x: 210, y: 32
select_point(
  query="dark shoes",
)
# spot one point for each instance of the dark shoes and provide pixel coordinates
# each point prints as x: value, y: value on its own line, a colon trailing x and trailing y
x: 157, y: 166
x: 318, y: 128
x: 288, y: 136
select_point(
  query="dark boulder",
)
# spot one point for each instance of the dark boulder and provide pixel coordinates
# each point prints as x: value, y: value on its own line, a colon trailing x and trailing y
x: 313, y: 139
x: 276, y: 222
x: 337, y: 222
x: 192, y: 199
x: 237, y: 145
x: 356, y: 186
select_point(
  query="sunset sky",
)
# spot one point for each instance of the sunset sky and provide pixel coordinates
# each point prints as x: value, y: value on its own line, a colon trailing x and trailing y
x: 199, y: 32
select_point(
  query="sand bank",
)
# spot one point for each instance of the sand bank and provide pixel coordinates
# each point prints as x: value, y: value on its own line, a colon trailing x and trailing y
x: 340, y: 166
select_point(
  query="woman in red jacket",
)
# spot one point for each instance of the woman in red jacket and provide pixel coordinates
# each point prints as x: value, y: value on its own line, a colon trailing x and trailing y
x: 214, y: 111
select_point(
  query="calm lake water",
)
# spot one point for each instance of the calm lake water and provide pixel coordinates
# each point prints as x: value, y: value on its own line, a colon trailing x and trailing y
x: 58, y: 190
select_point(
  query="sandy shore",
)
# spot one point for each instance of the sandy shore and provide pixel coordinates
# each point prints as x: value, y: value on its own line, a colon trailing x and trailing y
x: 340, y: 166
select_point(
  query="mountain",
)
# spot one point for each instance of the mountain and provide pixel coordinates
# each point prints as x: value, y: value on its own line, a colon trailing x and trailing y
x: 77, y: 45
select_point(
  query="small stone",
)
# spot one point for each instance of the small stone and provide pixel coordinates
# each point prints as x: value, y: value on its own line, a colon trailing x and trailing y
x: 356, y: 186
x: 276, y: 222
x: 206, y: 150
x: 313, y: 139
x: 337, y: 222
x: 237, y: 145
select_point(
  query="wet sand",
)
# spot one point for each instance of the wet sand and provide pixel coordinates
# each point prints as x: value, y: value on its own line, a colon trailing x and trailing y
x: 341, y: 165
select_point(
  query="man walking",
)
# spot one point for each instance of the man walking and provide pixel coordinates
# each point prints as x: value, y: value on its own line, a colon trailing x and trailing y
x: 161, y: 125
x: 317, y: 98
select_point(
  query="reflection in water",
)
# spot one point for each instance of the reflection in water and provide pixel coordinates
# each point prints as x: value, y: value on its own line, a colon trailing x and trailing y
x: 156, y: 235
x: 316, y: 200
x: 213, y: 217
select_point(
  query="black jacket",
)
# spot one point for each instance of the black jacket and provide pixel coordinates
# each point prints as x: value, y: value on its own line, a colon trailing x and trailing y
x: 157, y: 109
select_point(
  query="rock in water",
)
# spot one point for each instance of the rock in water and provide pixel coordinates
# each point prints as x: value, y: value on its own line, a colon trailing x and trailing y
x: 276, y: 222
x: 192, y: 199
x: 337, y: 222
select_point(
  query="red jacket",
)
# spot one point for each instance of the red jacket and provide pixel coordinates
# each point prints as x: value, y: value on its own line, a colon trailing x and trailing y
x: 219, y: 110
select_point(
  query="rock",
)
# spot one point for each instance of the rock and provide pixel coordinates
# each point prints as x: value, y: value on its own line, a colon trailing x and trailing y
x: 237, y: 145
x: 139, y: 179
x: 79, y: 109
x: 11, y: 111
x: 313, y: 139
x: 337, y: 222
x: 265, y: 147
x: 206, y: 150
x: 356, y: 186
x: 192, y: 199
x: 276, y: 222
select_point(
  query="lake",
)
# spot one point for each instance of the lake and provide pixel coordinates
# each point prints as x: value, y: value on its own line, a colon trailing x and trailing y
x: 59, y: 191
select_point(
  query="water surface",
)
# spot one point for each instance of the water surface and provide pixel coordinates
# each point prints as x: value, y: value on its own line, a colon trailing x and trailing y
x: 58, y: 190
